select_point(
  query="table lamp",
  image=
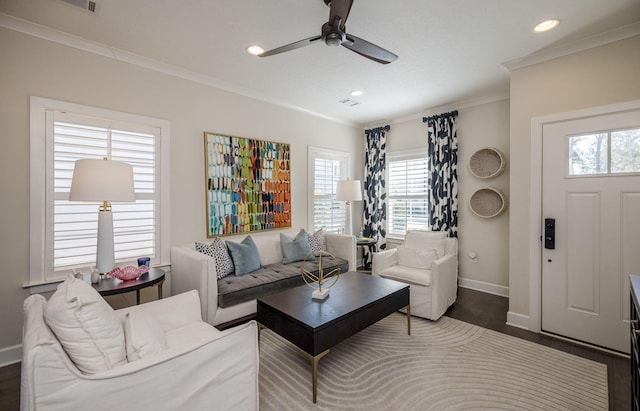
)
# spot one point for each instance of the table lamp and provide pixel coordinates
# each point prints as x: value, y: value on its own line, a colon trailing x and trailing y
x: 348, y: 191
x: 106, y: 181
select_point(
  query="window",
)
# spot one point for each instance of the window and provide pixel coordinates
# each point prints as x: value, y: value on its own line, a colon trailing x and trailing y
x: 326, y: 167
x: 609, y: 152
x: 407, y: 193
x: 64, y: 232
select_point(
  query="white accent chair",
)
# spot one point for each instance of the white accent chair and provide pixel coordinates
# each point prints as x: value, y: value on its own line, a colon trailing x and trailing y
x: 200, y: 368
x: 428, y: 262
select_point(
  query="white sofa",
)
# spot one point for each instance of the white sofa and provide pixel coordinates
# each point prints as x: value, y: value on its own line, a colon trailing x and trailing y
x: 195, y: 372
x: 192, y: 270
x: 432, y: 277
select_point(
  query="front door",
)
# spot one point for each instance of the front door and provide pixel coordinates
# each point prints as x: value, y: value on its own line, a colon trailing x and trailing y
x: 591, y: 191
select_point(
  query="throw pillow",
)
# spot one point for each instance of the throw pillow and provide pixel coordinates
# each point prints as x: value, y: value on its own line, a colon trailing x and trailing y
x: 144, y: 335
x: 86, y: 326
x: 317, y: 241
x: 426, y: 240
x: 245, y: 256
x: 218, y: 250
x: 295, y: 249
x: 421, y: 259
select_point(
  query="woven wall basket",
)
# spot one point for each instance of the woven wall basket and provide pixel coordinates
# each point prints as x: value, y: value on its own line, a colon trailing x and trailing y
x: 487, y: 202
x: 487, y: 162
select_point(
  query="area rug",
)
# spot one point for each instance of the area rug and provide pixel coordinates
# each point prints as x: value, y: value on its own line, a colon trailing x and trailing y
x: 443, y: 365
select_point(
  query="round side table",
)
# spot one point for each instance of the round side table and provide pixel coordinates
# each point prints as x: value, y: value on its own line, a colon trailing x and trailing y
x: 113, y: 286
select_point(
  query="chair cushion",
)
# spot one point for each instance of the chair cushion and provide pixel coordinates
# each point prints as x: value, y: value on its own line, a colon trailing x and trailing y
x: 198, y: 331
x: 422, y: 259
x: 407, y: 275
x: 86, y: 326
x: 246, y: 257
x: 295, y: 249
x: 144, y: 335
x: 426, y: 240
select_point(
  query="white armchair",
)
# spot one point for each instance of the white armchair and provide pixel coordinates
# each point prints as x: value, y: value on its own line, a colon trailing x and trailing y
x: 428, y: 262
x: 199, y: 367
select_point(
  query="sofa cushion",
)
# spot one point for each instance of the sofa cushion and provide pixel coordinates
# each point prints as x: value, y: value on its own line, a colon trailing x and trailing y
x: 218, y: 250
x: 143, y: 335
x: 422, y: 259
x: 295, y: 249
x: 270, y: 279
x: 86, y: 326
x: 407, y: 275
x: 317, y: 241
x: 246, y: 257
x: 426, y: 240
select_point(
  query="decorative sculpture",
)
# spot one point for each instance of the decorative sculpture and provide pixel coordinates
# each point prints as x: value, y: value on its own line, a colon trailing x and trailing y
x: 321, y: 282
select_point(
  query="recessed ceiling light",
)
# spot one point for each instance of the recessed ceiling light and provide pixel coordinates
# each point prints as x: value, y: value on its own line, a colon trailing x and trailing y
x: 356, y: 93
x: 255, y: 50
x: 546, y: 25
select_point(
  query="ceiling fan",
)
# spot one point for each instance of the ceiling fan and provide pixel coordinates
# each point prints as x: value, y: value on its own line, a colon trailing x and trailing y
x: 334, y: 34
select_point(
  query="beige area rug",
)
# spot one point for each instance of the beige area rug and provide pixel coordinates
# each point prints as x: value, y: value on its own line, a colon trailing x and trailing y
x: 443, y: 365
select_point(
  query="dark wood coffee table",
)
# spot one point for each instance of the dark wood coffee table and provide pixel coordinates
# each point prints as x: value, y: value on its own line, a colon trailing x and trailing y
x: 355, y: 302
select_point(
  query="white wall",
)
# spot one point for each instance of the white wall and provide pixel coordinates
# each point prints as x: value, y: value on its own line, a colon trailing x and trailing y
x: 485, y: 125
x: 599, y: 76
x: 32, y: 66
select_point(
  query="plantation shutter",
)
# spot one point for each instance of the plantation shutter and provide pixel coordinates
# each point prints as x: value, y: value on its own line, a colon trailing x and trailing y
x: 74, y: 231
x: 328, y: 213
x: 408, y: 194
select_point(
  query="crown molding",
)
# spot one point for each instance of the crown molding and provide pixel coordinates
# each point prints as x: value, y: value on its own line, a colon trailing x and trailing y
x: 586, y: 43
x: 70, y: 40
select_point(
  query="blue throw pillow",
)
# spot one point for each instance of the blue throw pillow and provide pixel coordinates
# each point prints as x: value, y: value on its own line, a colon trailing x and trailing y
x: 295, y: 249
x: 245, y: 256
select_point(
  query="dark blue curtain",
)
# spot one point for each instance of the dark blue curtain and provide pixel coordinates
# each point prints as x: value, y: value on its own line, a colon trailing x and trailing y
x: 443, y: 172
x: 375, y: 189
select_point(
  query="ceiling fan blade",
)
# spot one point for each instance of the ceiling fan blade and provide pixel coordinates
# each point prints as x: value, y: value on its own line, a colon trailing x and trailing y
x: 369, y: 50
x: 289, y: 47
x: 340, y: 9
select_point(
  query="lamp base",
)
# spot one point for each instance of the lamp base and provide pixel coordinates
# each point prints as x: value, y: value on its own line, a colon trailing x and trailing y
x: 105, y: 260
x: 320, y: 294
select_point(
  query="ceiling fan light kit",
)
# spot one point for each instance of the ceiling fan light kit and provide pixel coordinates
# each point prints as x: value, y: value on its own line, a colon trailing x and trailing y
x: 334, y: 34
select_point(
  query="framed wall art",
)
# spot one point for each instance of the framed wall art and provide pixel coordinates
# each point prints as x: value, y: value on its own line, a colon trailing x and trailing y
x: 248, y: 184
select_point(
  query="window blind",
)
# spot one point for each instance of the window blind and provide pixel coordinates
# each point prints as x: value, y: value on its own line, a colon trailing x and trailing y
x: 73, y: 235
x: 408, y: 194
x: 328, y: 213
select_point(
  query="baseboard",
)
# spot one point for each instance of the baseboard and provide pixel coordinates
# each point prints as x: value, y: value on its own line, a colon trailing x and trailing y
x: 518, y: 320
x: 484, y: 287
x: 10, y: 355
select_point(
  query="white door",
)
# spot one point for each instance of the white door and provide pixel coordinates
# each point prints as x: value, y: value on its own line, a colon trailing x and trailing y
x: 591, y: 188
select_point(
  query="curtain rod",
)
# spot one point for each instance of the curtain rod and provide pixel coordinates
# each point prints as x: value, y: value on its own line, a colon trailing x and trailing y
x: 453, y: 113
x: 378, y: 129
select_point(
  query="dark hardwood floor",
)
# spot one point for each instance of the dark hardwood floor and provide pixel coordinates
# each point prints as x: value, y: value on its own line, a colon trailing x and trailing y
x: 475, y: 307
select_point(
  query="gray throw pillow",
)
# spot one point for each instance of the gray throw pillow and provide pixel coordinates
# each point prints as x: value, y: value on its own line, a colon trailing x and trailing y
x: 245, y: 256
x: 295, y: 249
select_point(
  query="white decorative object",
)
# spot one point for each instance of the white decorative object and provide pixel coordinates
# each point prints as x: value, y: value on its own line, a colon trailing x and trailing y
x: 487, y: 162
x: 487, y: 202
x: 348, y: 191
x: 106, y: 181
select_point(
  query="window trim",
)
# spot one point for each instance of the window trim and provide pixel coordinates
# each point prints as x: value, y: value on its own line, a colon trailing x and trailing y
x: 40, y: 109
x: 399, y: 156
x: 312, y: 153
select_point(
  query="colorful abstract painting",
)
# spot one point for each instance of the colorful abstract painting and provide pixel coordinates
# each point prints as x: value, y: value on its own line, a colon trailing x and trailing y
x: 248, y: 184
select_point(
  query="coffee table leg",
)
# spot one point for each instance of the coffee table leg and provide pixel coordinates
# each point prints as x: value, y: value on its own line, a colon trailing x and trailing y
x: 408, y: 320
x: 260, y: 328
x: 314, y: 371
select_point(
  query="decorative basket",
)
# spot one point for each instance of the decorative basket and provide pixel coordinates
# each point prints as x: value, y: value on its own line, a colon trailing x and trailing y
x: 487, y: 202
x: 128, y: 273
x: 487, y: 162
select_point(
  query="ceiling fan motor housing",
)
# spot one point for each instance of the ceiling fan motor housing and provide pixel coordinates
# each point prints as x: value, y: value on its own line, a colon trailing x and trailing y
x: 332, y: 34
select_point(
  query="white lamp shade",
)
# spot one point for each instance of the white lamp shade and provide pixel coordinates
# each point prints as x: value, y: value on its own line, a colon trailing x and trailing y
x: 348, y: 190
x: 102, y: 180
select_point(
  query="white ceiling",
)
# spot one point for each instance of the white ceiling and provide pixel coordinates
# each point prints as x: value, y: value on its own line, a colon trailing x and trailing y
x: 450, y: 51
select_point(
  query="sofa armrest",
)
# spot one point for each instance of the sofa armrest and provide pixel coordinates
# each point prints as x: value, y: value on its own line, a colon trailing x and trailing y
x: 193, y: 270
x: 342, y: 246
x: 383, y: 259
x: 191, y: 376
x: 171, y: 312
